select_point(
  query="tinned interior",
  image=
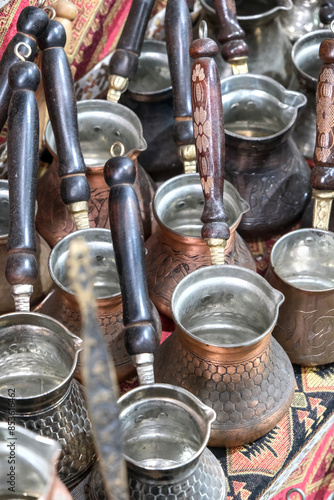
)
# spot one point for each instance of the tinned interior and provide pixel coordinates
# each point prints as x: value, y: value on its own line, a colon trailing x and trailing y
x: 102, y: 124
x: 36, y: 355
x: 160, y: 431
x: 4, y: 209
x: 305, y: 259
x: 257, y: 107
x: 305, y: 54
x: 106, y: 282
x: 225, y: 305
x: 179, y: 204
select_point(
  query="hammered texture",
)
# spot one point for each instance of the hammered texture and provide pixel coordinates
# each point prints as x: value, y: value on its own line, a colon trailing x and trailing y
x: 207, y: 482
x: 67, y: 423
x: 242, y: 394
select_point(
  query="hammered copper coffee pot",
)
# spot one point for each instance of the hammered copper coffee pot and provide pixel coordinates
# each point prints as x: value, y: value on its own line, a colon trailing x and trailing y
x: 164, y: 429
x: 85, y: 134
x: 301, y: 263
x: 34, y: 474
x: 222, y: 349
x: 176, y: 248
x: 38, y: 355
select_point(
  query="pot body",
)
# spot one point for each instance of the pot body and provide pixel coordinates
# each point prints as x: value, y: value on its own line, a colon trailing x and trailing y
x: 269, y: 47
x: 102, y: 124
x: 223, y: 352
x: 38, y: 357
x: 302, y: 19
x: 34, y: 470
x: 176, y: 248
x: 206, y: 481
x: 301, y: 268
x: 262, y: 160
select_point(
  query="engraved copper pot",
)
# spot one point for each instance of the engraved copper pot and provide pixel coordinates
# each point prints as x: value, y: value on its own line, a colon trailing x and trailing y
x: 165, y: 433
x: 43, y: 283
x: 38, y: 357
x: 102, y: 125
x: 223, y: 352
x: 262, y: 159
x: 176, y: 248
x: 301, y: 266
x: 62, y: 303
x: 269, y: 46
x: 32, y: 465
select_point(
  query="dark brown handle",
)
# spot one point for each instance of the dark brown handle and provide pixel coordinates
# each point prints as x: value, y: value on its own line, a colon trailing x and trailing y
x: 124, y: 61
x: 31, y: 24
x: 128, y: 240
x: 322, y: 175
x: 22, y: 146
x: 231, y: 35
x: 178, y: 39
x: 62, y: 108
x: 326, y: 11
x: 209, y: 136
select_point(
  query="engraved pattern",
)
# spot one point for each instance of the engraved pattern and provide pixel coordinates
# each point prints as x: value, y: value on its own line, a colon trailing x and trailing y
x: 243, y: 394
x: 206, y: 483
x: 325, y: 115
x: 67, y: 422
x: 167, y: 266
x: 321, y: 214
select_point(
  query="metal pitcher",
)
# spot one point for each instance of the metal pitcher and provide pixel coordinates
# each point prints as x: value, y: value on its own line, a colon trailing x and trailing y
x: 303, y: 18
x: 301, y: 263
x: 262, y: 159
x: 33, y: 475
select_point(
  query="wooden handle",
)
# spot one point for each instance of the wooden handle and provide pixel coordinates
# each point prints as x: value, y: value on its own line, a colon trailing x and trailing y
x: 22, y: 145
x: 128, y: 240
x: 31, y: 24
x: 178, y: 39
x: 62, y: 108
x: 322, y: 174
x: 326, y: 11
x: 231, y: 36
x: 66, y: 12
x: 99, y: 375
x: 124, y: 61
x: 209, y: 135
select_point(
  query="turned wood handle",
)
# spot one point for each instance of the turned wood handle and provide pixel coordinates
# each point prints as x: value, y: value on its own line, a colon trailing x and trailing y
x: 209, y: 136
x: 31, y: 24
x: 326, y: 11
x: 231, y: 35
x: 22, y: 143
x: 178, y: 39
x: 124, y: 61
x: 62, y: 108
x: 128, y: 240
x: 66, y: 12
x: 322, y: 175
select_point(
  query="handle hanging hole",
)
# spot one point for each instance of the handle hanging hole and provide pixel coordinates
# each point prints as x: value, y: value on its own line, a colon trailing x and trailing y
x: 17, y: 53
x: 203, y: 29
x: 295, y: 490
x: 117, y: 145
x: 50, y: 11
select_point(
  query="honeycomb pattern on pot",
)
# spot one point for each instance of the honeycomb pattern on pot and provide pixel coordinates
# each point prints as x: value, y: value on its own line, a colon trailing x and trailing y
x: 67, y: 422
x: 239, y: 393
x: 206, y: 483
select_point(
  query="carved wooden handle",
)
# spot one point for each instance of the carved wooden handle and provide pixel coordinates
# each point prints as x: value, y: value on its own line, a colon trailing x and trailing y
x: 128, y: 240
x: 231, y: 36
x: 31, y: 24
x: 178, y: 39
x: 124, y: 61
x: 21, y: 268
x: 66, y: 12
x: 209, y: 135
x: 61, y: 103
x: 99, y: 375
x: 322, y: 175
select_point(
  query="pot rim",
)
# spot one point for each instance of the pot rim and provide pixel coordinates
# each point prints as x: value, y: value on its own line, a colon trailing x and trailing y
x: 283, y: 92
x: 70, y: 236
x: 209, y: 413
x: 297, y: 45
x: 195, y: 239
x: 255, y: 17
x: 287, y: 236
x: 277, y: 297
x: 77, y: 346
